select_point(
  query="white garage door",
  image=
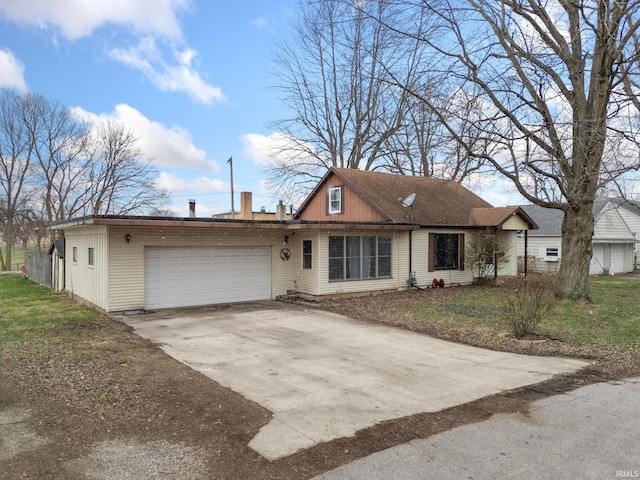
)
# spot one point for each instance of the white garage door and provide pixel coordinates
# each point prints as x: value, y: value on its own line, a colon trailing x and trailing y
x: 181, y: 277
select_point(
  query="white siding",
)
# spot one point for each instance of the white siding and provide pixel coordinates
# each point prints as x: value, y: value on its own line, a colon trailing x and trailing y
x: 84, y: 281
x: 536, y: 262
x: 510, y: 266
x: 399, y: 266
x: 633, y: 222
x: 610, y: 225
x: 462, y: 277
x: 127, y: 259
x: 515, y: 223
x: 307, y: 280
x: 614, y: 237
x: 420, y: 257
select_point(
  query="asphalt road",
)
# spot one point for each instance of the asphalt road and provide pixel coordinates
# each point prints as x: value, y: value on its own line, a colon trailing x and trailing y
x: 589, y: 433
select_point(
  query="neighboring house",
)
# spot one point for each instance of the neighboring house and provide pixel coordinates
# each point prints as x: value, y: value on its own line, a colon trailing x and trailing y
x: 613, y: 240
x: 631, y: 215
x: 356, y: 232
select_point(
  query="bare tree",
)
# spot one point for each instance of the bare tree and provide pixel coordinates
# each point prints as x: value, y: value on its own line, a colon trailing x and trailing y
x: 60, y: 144
x: 336, y: 78
x: 119, y: 179
x: 15, y: 160
x: 53, y: 166
x: 559, y: 87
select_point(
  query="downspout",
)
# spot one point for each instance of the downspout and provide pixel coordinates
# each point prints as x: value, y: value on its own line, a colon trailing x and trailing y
x: 495, y: 254
x: 410, y: 251
x: 526, y: 250
x: 64, y: 263
x: 411, y: 280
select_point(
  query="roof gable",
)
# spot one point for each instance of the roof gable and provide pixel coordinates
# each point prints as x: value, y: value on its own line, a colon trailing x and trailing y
x: 610, y: 225
x: 355, y: 207
x: 501, y: 217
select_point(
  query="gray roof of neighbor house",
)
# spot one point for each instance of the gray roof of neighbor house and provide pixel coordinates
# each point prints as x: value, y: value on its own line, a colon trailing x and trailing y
x: 437, y: 202
x: 57, y: 245
x: 549, y: 220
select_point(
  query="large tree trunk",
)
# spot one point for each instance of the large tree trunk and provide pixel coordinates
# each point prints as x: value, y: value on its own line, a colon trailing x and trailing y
x: 577, y: 232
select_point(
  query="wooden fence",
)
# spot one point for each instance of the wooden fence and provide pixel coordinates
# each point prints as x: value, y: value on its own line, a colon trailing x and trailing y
x: 38, y: 267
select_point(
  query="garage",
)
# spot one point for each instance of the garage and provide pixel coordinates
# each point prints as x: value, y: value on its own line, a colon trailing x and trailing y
x: 185, y: 277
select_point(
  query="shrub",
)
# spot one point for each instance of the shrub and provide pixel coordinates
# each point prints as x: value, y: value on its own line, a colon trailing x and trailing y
x: 485, y: 252
x: 527, y: 302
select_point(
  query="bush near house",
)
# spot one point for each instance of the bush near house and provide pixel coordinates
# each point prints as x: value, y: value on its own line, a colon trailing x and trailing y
x: 526, y: 302
x: 610, y: 321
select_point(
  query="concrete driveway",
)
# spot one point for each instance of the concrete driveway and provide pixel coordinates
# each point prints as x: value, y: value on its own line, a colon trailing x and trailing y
x: 325, y: 376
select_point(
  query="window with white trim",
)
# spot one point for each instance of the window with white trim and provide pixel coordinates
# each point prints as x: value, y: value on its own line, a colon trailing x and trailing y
x: 307, y: 254
x: 334, y: 200
x: 359, y: 257
x: 90, y: 259
x: 74, y: 256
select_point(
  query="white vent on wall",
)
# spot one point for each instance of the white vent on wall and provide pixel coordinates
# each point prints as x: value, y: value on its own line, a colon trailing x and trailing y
x: 550, y: 254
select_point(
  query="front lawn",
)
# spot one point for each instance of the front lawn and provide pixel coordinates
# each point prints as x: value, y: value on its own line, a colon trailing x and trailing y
x: 611, y: 321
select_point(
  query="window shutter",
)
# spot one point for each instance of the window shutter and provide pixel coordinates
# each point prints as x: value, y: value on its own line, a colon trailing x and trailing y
x: 432, y: 251
x: 461, y: 251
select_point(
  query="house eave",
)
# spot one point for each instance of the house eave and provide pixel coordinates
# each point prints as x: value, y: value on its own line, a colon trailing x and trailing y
x: 140, y: 221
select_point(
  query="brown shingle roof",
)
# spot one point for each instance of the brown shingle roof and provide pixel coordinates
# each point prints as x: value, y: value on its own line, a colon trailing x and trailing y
x: 437, y: 203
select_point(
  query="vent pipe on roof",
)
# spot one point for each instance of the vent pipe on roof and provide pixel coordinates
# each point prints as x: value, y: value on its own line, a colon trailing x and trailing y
x: 192, y: 208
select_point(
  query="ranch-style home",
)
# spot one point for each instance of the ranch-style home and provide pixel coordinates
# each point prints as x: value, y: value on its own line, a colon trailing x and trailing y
x: 357, y: 231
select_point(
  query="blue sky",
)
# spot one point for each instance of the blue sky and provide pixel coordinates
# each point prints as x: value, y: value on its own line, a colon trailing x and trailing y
x: 191, y: 78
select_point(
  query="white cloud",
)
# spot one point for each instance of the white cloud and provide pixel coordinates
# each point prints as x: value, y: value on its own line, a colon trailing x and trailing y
x: 276, y: 148
x: 11, y: 71
x: 260, y: 23
x: 79, y: 18
x: 177, y: 77
x: 171, y: 183
x: 165, y: 146
x: 175, y: 184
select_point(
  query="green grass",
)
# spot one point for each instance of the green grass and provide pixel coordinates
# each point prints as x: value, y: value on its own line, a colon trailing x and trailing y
x: 17, y: 257
x: 611, y: 321
x: 29, y: 310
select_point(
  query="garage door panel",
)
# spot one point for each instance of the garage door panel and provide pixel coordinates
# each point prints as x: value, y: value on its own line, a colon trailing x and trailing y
x: 177, y: 277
